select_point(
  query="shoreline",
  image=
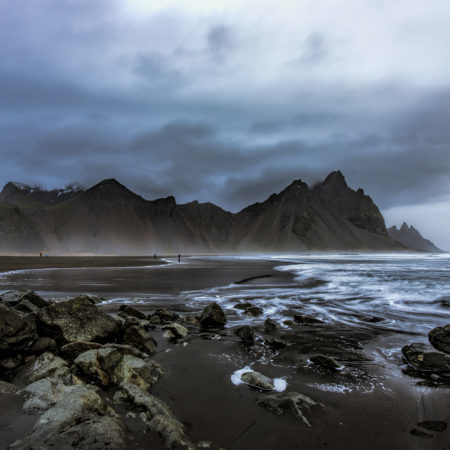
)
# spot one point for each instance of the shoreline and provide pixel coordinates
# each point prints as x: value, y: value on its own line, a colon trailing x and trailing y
x: 369, y: 404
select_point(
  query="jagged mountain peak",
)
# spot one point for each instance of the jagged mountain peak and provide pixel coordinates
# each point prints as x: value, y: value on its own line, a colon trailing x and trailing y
x: 411, y: 238
x: 335, y: 179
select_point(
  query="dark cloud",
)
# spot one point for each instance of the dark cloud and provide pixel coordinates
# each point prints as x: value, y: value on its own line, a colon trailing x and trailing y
x: 89, y: 92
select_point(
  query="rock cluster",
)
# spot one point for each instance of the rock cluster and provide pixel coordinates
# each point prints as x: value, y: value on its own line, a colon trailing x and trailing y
x: 67, y: 354
x: 424, y: 361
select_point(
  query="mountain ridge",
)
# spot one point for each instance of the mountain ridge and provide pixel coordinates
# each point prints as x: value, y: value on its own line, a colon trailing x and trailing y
x: 410, y: 237
x: 108, y: 218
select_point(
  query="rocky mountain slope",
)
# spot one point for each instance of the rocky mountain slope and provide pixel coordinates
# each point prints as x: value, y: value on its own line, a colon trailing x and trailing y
x: 110, y: 219
x: 411, y: 238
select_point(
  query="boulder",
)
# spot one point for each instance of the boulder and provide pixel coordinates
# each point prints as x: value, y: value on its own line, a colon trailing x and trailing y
x: 76, y: 320
x: 7, y: 388
x: 325, y: 361
x: 16, y: 333
x: 78, y: 419
x: 10, y: 364
x: 91, y: 366
x: 292, y: 402
x: 44, y: 344
x: 45, y: 366
x: 13, y: 298
x: 246, y: 334
x: 270, y: 325
x: 158, y: 416
x: 162, y: 316
x: 242, y: 306
x: 300, y: 318
x: 187, y: 320
x: 213, y: 317
x: 26, y: 307
x: 257, y: 380
x: 107, y: 365
x: 138, y: 337
x: 132, y: 370
x: 422, y: 359
x: 274, y: 344
x: 133, y: 312
x: 253, y: 311
x: 73, y: 349
x: 178, y: 330
x: 439, y: 338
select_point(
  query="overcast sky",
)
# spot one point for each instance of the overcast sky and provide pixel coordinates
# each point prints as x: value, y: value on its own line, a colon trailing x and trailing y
x: 228, y: 101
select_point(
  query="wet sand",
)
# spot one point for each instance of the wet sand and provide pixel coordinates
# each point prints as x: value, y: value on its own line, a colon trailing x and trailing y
x: 369, y: 405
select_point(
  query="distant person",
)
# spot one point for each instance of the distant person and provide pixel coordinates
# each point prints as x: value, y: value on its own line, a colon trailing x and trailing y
x: 154, y: 256
x: 179, y: 258
x: 40, y: 254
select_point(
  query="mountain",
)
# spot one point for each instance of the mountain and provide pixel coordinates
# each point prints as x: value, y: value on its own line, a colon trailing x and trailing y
x: 18, y: 234
x: 29, y: 198
x: 330, y: 216
x: 108, y: 218
x: 411, y: 238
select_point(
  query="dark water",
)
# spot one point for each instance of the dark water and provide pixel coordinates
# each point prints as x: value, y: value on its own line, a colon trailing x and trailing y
x: 399, y: 292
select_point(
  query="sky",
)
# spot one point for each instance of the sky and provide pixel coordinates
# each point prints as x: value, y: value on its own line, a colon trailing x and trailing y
x: 229, y: 101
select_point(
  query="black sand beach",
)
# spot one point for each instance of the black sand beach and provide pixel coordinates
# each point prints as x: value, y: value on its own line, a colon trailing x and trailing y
x: 369, y: 404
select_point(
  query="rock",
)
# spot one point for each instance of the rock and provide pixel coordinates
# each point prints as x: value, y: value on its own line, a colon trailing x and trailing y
x: 132, y: 370
x: 257, y: 380
x: 44, y: 344
x: 270, y: 326
x: 325, y: 361
x: 76, y: 320
x: 7, y: 388
x: 129, y: 311
x: 300, y: 318
x: 154, y: 320
x: 275, y: 344
x: 422, y: 360
x: 10, y: 364
x: 433, y: 425
x: 439, y: 338
x: 246, y: 334
x: 16, y: 333
x: 127, y: 350
x: 292, y: 402
x: 95, y: 300
x: 50, y: 386
x: 120, y: 397
x: 26, y: 307
x: 163, y: 316
x: 253, y: 311
x: 74, y: 349
x: 108, y: 365
x: 45, y: 366
x: 169, y: 335
x: 79, y: 419
x: 242, y: 306
x: 188, y: 320
x: 92, y: 364
x: 139, y: 338
x: 178, y: 330
x: 289, y: 323
x: 158, y: 417
x: 13, y: 298
x: 421, y: 434
x: 213, y: 317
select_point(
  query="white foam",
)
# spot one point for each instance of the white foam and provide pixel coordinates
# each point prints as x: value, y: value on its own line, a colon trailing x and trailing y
x: 279, y: 383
